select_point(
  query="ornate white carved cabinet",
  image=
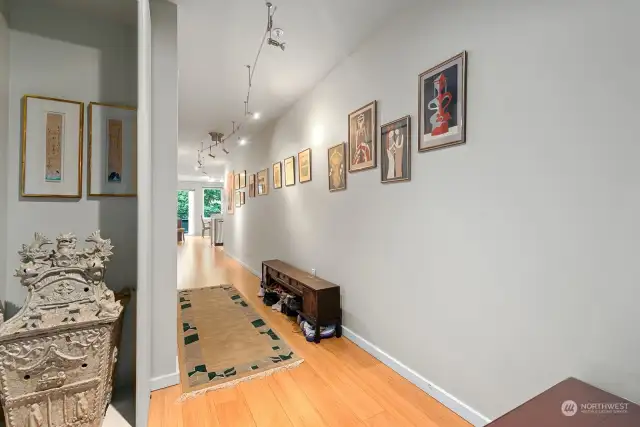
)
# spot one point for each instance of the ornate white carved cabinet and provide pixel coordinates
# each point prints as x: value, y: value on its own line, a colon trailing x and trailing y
x: 57, y: 354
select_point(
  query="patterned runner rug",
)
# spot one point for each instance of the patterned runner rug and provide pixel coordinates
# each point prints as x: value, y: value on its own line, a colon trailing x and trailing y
x: 223, y: 341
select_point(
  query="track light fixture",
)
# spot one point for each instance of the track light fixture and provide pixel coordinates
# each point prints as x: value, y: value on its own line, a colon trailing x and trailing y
x: 272, y: 36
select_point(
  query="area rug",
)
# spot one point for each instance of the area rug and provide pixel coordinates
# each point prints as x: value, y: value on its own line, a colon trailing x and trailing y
x: 223, y: 341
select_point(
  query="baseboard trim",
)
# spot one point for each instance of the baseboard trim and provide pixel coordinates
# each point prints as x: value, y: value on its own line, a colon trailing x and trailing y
x: 242, y: 263
x: 164, y: 381
x: 448, y: 400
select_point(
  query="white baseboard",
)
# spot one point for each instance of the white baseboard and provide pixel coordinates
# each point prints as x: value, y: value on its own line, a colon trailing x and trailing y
x: 164, y: 381
x: 451, y: 402
x: 242, y: 263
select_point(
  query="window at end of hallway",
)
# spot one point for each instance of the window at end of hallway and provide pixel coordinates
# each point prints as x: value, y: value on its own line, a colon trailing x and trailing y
x: 212, y: 201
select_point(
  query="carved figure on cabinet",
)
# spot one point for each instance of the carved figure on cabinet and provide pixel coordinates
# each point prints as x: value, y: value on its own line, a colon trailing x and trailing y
x: 82, y: 406
x: 68, y: 323
x: 35, y: 418
x: 109, y: 307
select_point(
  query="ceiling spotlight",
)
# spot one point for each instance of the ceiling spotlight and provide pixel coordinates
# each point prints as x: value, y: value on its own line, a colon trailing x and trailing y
x: 225, y: 151
x: 195, y: 168
x: 242, y: 141
x: 256, y: 116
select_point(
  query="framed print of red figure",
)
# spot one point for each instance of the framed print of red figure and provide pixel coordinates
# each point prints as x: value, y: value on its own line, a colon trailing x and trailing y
x: 442, y: 104
x: 362, y: 138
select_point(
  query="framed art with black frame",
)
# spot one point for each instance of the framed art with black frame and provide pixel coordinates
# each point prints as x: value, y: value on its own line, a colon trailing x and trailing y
x: 442, y: 104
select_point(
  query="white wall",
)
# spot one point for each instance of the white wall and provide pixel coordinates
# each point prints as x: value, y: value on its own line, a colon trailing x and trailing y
x: 67, y: 55
x: 504, y: 265
x: 164, y: 141
x: 4, y: 142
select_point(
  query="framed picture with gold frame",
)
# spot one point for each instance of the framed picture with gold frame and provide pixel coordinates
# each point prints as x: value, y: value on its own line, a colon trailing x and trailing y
x: 52, y: 135
x: 337, y: 167
x: 363, y: 131
x: 277, y: 175
x: 243, y: 179
x: 242, y: 199
x: 229, y: 192
x: 112, y: 150
x: 290, y: 171
x: 262, y: 182
x: 238, y: 199
x: 236, y: 181
x: 304, y: 166
x: 252, y: 185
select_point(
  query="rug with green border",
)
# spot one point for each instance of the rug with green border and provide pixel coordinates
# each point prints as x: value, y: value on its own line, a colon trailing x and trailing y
x: 223, y: 341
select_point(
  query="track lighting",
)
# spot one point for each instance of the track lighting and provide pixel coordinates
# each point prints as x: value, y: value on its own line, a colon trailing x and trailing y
x: 273, y: 37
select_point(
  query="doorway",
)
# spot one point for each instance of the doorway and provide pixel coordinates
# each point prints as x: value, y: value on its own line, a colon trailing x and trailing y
x: 186, y: 210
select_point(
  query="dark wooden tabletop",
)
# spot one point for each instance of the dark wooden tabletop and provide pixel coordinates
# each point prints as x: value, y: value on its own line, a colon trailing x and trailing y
x: 572, y: 403
x: 299, y: 275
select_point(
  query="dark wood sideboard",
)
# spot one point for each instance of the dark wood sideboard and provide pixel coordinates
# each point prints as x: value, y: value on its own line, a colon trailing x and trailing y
x: 572, y: 403
x: 320, y: 299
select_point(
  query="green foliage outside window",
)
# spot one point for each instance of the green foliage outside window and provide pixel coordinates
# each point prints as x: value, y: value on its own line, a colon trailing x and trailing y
x: 183, y: 205
x: 212, y: 201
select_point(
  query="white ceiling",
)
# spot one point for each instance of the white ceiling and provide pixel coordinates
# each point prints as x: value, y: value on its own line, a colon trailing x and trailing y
x: 218, y: 38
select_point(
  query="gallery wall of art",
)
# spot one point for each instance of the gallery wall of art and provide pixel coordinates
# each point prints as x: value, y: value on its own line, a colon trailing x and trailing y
x: 62, y: 54
x: 504, y: 264
x: 4, y: 121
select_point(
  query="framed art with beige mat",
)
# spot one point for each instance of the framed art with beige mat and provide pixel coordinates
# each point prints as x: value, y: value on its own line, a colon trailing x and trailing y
x: 52, y: 135
x: 112, y: 149
x: 223, y: 341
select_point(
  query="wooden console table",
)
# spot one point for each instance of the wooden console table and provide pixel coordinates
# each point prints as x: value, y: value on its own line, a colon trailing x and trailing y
x: 320, y: 299
x: 562, y: 406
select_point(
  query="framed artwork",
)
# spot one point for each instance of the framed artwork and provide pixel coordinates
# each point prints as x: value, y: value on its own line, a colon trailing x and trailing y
x: 362, y: 138
x: 442, y: 104
x: 112, y: 150
x: 337, y: 167
x: 236, y: 181
x: 277, y: 175
x: 52, y: 135
x: 263, y: 182
x: 395, y: 144
x: 242, y: 198
x: 252, y: 185
x: 229, y: 190
x: 290, y: 171
x: 238, y: 199
x: 304, y: 166
x: 243, y: 179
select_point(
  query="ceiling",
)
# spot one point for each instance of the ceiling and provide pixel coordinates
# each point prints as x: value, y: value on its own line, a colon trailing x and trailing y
x: 218, y: 38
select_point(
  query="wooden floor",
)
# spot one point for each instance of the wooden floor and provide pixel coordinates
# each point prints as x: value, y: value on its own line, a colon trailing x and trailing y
x: 338, y: 385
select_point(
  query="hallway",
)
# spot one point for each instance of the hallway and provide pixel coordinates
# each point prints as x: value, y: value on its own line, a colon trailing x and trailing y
x: 338, y: 385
